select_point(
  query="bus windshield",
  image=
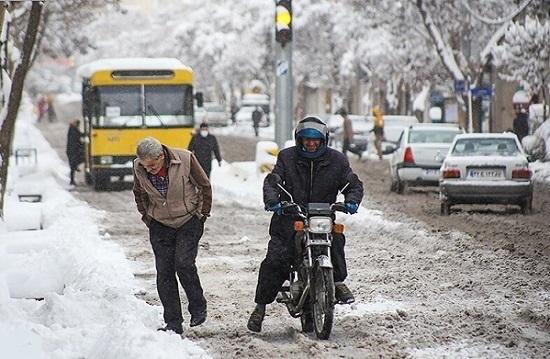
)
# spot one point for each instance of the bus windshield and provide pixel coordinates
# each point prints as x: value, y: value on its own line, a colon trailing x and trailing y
x: 145, y: 106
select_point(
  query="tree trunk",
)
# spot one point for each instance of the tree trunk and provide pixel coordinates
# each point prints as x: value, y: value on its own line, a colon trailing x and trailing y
x: 8, y: 125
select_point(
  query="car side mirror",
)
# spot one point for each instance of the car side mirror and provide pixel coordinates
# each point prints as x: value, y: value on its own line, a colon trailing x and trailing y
x: 390, y: 149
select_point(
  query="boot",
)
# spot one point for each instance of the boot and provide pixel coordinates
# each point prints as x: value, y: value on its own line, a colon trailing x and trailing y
x: 255, y: 321
x: 343, y: 294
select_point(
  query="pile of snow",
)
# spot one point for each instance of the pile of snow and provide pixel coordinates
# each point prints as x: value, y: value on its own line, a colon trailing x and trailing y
x: 538, y: 144
x: 65, y: 292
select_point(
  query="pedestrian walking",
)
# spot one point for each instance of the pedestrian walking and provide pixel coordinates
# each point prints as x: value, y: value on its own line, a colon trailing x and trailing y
x: 521, y: 124
x: 174, y: 197
x: 42, y: 107
x: 203, y: 144
x: 347, y: 130
x: 75, y: 148
x: 378, y: 130
x: 257, y: 115
x: 49, y: 109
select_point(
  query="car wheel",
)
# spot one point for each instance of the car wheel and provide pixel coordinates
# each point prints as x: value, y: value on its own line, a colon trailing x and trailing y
x: 527, y: 206
x: 445, y: 209
x: 400, y: 186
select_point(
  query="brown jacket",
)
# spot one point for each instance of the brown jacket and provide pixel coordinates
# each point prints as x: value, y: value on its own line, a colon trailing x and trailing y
x: 348, y: 129
x: 189, y: 191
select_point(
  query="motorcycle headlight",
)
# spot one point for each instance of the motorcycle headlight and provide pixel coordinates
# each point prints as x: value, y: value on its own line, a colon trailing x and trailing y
x: 320, y: 224
x: 106, y: 160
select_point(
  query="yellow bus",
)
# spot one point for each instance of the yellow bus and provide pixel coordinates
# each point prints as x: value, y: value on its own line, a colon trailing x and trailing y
x: 125, y: 100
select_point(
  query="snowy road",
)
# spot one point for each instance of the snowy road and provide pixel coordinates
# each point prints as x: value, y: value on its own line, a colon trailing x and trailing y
x: 423, y: 288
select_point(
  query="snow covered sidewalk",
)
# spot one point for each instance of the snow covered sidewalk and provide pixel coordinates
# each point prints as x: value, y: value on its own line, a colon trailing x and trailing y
x: 64, y: 291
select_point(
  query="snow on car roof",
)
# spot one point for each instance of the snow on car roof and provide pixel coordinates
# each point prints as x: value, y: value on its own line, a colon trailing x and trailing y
x: 435, y: 126
x: 486, y: 135
x: 131, y: 63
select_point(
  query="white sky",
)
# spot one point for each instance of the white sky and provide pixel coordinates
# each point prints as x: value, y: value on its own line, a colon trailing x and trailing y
x: 88, y: 308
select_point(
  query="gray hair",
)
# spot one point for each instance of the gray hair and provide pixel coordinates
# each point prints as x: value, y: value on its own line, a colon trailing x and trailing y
x: 149, y: 148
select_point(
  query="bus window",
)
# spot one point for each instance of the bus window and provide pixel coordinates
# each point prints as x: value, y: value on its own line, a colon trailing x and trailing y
x: 120, y: 106
x: 168, y: 105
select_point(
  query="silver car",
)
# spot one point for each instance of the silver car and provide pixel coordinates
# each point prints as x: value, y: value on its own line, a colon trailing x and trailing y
x: 486, y: 168
x: 420, y: 151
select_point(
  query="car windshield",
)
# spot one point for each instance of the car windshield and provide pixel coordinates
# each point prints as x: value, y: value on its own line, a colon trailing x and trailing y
x: 485, y: 147
x: 215, y: 108
x: 432, y: 136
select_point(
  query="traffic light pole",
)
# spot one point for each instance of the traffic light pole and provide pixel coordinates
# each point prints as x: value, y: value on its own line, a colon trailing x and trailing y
x: 283, y: 93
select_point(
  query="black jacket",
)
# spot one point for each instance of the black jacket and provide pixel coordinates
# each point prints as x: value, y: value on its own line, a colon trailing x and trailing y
x: 75, y: 149
x: 317, y: 180
x: 521, y: 125
x: 203, y: 147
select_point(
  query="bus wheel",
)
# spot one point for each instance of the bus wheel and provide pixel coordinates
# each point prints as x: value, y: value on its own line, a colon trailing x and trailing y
x: 88, y: 179
x: 101, y: 182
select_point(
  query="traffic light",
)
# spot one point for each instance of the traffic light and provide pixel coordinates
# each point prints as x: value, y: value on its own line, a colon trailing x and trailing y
x: 283, y: 21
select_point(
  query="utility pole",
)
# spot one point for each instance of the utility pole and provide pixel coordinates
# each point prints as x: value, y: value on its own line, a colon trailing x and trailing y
x: 283, y: 68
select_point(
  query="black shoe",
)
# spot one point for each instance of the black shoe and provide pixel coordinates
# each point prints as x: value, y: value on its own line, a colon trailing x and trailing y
x: 172, y: 328
x: 255, y: 321
x: 197, y: 319
x: 343, y: 294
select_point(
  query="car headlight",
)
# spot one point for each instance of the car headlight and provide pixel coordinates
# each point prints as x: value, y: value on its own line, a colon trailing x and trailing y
x: 320, y: 224
x: 106, y: 160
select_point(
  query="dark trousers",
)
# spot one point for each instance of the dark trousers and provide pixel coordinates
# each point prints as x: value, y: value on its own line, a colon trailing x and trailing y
x: 275, y: 268
x: 175, y: 253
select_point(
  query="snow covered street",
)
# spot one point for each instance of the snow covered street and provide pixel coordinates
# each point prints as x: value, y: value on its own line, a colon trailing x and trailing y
x: 421, y: 291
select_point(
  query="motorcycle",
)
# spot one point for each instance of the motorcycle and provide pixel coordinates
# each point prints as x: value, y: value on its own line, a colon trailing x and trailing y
x: 310, y: 293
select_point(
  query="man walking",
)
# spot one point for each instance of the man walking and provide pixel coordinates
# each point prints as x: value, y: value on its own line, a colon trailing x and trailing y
x: 378, y: 130
x: 202, y: 145
x: 174, y: 197
x: 75, y: 149
x: 257, y: 115
x: 521, y: 124
x: 347, y: 129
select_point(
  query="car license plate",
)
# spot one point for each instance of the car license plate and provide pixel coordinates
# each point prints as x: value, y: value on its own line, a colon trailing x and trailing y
x: 490, y: 174
x: 431, y: 172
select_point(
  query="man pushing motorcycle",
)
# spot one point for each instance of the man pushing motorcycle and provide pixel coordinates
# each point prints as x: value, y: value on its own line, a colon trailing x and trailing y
x: 312, y: 173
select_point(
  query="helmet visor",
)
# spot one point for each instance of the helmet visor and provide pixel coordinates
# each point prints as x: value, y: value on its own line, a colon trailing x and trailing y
x: 311, y: 130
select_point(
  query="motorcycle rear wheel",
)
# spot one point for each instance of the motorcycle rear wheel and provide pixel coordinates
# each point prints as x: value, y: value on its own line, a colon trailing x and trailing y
x: 322, y: 296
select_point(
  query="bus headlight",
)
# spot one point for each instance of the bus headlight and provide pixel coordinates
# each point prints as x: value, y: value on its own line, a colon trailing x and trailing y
x: 106, y: 160
x: 320, y: 224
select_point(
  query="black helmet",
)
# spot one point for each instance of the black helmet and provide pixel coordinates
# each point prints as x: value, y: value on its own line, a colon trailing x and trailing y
x: 311, y: 127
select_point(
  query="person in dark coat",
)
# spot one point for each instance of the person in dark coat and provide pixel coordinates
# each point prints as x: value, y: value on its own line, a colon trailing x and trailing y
x: 257, y: 115
x: 521, y: 124
x: 75, y: 148
x: 202, y: 145
x: 311, y: 172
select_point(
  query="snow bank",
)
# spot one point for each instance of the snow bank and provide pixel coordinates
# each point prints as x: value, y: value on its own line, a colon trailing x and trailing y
x: 64, y: 291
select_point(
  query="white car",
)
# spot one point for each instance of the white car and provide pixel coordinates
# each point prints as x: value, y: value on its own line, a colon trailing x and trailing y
x: 420, y: 151
x: 486, y: 168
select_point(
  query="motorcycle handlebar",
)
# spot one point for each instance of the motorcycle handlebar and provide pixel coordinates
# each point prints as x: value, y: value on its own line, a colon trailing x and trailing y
x: 291, y: 208
x: 339, y: 207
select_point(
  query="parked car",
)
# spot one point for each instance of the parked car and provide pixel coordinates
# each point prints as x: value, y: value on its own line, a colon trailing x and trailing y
x: 213, y: 114
x: 486, y: 168
x: 244, y: 115
x: 420, y: 151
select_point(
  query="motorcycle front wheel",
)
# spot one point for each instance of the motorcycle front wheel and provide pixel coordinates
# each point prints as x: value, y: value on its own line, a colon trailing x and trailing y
x: 322, y: 297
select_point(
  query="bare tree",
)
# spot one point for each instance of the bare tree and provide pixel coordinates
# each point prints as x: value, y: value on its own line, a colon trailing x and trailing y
x: 7, y: 127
